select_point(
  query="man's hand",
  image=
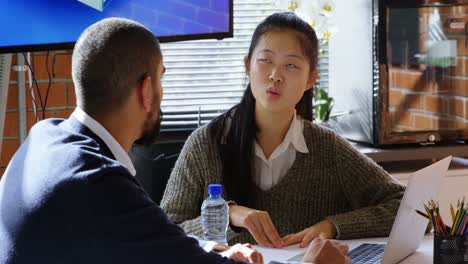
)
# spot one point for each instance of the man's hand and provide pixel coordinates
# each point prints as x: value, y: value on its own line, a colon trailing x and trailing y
x: 243, y: 252
x: 322, y: 250
x: 324, y: 228
x: 258, y: 223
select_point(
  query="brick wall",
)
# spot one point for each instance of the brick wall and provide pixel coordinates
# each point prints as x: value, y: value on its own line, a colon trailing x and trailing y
x: 432, y: 98
x: 60, y: 103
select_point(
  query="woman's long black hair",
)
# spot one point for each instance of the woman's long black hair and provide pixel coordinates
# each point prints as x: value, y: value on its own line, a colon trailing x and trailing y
x: 236, y: 147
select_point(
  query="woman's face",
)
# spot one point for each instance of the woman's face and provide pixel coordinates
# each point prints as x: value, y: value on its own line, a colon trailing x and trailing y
x: 279, y: 72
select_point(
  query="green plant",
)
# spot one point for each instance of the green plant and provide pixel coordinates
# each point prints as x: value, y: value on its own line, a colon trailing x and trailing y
x: 323, y: 105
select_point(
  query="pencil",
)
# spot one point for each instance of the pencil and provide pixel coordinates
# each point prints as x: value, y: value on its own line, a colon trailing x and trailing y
x: 445, y: 228
x: 441, y: 221
x: 430, y: 216
x: 452, y: 212
x: 461, y: 219
x: 436, y: 218
x: 455, y: 222
x: 463, y: 227
x: 423, y: 214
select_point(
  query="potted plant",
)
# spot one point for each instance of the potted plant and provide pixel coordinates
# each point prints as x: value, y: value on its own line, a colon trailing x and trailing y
x: 319, y: 13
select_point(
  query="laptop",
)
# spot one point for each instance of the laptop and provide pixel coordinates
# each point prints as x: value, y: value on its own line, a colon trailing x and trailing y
x: 409, y: 227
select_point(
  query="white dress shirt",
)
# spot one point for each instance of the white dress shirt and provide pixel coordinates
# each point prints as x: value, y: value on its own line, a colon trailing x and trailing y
x: 268, y: 172
x: 114, y: 146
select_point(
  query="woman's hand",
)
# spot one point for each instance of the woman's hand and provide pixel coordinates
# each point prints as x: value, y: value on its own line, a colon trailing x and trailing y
x: 243, y: 252
x: 324, y: 228
x: 258, y: 223
x: 322, y: 250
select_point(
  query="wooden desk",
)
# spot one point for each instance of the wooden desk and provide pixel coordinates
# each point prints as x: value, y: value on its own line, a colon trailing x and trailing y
x: 422, y: 255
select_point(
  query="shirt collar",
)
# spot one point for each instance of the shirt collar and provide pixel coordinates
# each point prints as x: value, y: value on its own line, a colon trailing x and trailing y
x: 294, y: 137
x: 297, y: 135
x: 114, y: 146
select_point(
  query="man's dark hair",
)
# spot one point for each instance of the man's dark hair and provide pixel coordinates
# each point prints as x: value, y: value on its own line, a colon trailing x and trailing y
x: 109, y: 58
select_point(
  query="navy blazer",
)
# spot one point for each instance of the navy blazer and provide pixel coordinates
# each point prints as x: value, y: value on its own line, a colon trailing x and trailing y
x: 65, y: 199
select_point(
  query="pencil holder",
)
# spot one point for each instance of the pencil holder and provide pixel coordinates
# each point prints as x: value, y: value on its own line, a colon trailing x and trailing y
x: 450, y: 249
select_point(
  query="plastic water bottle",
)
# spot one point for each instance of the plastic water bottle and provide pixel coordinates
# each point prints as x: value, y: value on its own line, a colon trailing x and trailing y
x: 215, y: 215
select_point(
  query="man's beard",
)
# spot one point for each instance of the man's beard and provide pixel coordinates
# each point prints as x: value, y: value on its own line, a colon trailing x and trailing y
x: 150, y: 130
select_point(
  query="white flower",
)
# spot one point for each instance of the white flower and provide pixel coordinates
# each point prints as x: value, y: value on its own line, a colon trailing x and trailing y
x: 319, y: 13
x: 326, y: 6
x: 290, y: 5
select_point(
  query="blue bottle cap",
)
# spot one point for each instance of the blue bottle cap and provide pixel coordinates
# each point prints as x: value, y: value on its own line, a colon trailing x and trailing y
x: 215, y: 189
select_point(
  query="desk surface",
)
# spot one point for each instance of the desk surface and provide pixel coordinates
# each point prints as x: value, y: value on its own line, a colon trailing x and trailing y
x: 422, y: 255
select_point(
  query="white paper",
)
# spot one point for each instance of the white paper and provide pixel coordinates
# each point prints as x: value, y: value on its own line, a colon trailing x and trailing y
x: 280, y: 254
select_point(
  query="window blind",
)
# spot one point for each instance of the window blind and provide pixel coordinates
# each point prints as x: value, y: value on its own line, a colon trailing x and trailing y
x: 204, y: 78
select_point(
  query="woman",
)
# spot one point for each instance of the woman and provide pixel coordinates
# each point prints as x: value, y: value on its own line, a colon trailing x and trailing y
x: 287, y: 179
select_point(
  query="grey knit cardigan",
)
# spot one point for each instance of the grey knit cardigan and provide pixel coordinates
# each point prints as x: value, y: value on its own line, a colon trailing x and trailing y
x: 333, y: 181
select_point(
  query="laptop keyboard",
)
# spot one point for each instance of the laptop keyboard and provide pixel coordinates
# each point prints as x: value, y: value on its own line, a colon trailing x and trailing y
x: 367, y: 253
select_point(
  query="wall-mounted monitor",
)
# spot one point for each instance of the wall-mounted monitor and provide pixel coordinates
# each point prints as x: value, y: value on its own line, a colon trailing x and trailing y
x: 27, y: 25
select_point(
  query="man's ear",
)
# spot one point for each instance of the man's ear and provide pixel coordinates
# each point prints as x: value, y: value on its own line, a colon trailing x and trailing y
x: 312, y: 78
x: 146, y: 93
x: 247, y: 65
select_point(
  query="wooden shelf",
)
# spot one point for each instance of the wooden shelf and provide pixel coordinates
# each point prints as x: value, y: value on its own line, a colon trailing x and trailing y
x: 408, y: 153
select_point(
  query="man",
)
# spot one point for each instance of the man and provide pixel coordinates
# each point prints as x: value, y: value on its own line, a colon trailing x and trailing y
x: 69, y: 194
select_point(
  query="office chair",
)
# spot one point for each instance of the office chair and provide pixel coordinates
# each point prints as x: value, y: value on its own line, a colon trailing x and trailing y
x: 153, y: 166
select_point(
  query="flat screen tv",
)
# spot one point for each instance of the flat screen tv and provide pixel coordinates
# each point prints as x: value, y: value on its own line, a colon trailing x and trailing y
x: 27, y: 25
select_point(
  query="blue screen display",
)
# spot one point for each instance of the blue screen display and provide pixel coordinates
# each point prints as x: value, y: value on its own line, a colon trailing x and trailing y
x: 45, y: 22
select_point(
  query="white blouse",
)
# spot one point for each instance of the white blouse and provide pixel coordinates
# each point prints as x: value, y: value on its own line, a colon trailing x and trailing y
x: 268, y: 172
